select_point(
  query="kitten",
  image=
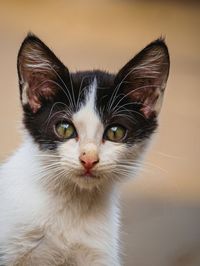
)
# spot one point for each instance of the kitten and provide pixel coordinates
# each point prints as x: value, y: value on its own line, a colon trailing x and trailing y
x: 85, y: 132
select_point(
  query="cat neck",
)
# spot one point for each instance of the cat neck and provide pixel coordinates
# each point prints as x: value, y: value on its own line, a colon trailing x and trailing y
x: 86, y: 202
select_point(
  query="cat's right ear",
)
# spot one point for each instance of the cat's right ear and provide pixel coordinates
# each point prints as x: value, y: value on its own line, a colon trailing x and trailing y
x: 39, y: 72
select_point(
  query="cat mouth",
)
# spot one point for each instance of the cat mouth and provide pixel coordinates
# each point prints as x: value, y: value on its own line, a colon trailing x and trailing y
x: 88, y: 175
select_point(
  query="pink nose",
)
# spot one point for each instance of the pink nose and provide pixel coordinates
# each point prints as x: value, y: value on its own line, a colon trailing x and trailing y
x: 88, y: 161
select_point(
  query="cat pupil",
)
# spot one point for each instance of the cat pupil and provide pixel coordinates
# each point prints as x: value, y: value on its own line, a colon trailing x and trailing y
x: 114, y: 129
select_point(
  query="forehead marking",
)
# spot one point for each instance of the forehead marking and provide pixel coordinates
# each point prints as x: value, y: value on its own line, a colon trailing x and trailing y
x: 91, y: 96
x: 90, y: 101
x: 87, y: 120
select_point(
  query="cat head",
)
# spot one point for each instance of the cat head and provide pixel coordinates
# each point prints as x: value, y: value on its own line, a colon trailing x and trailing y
x: 91, y: 127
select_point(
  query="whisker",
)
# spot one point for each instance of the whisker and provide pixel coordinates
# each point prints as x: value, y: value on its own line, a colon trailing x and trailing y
x: 71, y: 101
x: 170, y: 156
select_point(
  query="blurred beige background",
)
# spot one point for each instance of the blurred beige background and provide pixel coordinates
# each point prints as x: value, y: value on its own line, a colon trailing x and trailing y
x: 160, y: 208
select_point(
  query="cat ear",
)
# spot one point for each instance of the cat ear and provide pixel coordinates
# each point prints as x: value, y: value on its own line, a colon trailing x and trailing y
x: 144, y: 78
x: 38, y: 70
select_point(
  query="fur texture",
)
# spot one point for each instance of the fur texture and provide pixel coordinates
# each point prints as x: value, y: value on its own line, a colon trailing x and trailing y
x: 53, y: 211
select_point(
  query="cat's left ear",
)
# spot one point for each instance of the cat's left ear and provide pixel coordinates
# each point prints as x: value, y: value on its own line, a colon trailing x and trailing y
x: 40, y: 73
x: 143, y: 79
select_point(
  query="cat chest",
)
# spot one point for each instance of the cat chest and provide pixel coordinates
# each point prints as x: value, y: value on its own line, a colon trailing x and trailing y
x: 73, y: 238
x: 69, y: 231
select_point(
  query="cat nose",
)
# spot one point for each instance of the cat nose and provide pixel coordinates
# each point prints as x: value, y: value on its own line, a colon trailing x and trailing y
x: 89, y: 160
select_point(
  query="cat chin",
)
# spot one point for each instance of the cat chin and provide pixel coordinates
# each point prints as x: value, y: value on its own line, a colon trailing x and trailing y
x: 88, y: 182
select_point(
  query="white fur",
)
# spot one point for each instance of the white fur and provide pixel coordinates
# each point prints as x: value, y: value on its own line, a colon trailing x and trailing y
x: 49, y: 215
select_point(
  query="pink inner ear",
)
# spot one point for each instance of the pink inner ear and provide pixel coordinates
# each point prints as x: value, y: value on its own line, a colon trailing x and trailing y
x: 147, y: 111
x: 39, y: 88
x: 147, y: 97
x: 34, y: 104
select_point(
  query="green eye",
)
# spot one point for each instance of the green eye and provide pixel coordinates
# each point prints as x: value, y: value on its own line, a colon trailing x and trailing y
x: 115, y: 133
x: 65, y: 130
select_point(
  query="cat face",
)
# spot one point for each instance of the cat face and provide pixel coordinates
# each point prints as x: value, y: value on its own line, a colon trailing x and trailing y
x: 92, y: 127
